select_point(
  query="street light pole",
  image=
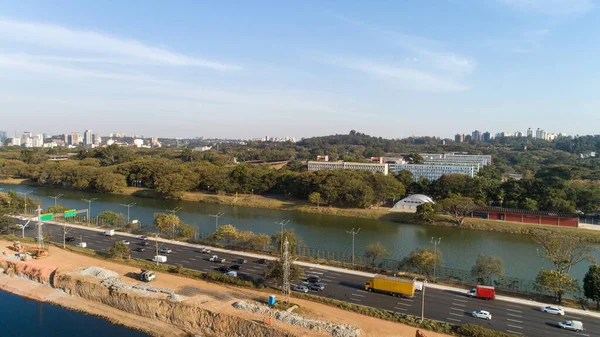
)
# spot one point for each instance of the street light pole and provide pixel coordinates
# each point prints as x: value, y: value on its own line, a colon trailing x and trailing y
x: 174, y: 210
x: 435, y: 261
x: 128, y: 207
x: 25, y: 195
x: 56, y: 197
x: 353, y: 234
x: 89, y: 201
x: 423, y: 301
x: 283, y: 223
x: 217, y: 216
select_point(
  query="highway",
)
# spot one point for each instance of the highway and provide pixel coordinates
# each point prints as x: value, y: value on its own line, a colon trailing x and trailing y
x: 441, y: 305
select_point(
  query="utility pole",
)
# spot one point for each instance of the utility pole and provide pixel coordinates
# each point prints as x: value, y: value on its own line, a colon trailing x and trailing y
x: 173, y: 231
x: 56, y: 197
x: 174, y: 210
x: 128, y: 207
x: 89, y: 201
x: 39, y: 229
x: 217, y: 216
x: 156, y: 240
x: 423, y: 301
x: 23, y: 228
x: 286, y: 271
x: 353, y: 234
x: 25, y: 195
x: 435, y: 261
x: 65, y: 231
x: 282, y: 223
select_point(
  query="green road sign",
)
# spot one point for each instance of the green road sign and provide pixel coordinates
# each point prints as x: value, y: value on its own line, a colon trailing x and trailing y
x: 70, y: 213
x: 46, y: 217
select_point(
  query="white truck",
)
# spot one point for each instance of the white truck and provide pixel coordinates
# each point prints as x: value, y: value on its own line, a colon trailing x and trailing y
x: 159, y: 259
x: 109, y: 232
x: 216, y: 259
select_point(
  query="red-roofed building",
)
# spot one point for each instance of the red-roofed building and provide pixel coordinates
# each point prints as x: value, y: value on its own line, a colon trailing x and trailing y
x: 525, y: 216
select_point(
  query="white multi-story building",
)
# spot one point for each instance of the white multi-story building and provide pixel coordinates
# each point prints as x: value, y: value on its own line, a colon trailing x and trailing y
x: 431, y: 171
x: 87, y: 138
x: 340, y: 165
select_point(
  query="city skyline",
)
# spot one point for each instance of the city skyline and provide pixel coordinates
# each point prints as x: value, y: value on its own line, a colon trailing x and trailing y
x: 299, y: 69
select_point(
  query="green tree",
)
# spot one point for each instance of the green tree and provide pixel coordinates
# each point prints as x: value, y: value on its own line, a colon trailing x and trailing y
x: 405, y: 177
x: 458, y: 207
x: 166, y: 223
x: 424, y: 261
x: 565, y: 250
x: 227, y: 232
x: 110, y: 182
x: 274, y: 272
x: 119, y: 250
x: 428, y: 212
x: 293, y: 240
x: 591, y: 284
x: 315, y: 198
x: 111, y: 218
x: 260, y: 241
x: 486, y: 266
x: 185, y: 231
x: 56, y: 209
x: 556, y: 282
x: 374, y: 252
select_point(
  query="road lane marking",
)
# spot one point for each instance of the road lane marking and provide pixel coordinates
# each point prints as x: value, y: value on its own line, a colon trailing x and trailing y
x: 353, y: 294
x: 515, y: 332
x: 193, y: 259
x: 457, y: 309
x: 458, y: 304
x: 326, y: 279
x: 514, y: 306
x: 336, y: 274
x: 354, y: 299
x: 460, y: 300
x: 515, y: 326
x: 580, y: 334
x: 405, y: 304
x: 513, y: 315
x: 513, y: 310
x: 573, y: 317
x: 403, y: 309
x: 407, y: 299
x: 514, y: 320
x: 453, y: 319
x: 185, y: 261
x: 455, y: 314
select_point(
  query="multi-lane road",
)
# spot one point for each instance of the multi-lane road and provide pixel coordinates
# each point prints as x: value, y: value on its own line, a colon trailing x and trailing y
x: 442, y: 305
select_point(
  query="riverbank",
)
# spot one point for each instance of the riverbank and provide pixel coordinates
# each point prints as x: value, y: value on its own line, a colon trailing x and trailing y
x: 204, y: 307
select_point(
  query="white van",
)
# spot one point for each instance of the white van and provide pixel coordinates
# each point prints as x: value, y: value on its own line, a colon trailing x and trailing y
x: 160, y: 259
x: 109, y: 232
x: 571, y: 325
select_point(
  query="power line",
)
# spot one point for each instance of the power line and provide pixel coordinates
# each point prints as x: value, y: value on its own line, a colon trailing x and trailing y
x: 217, y: 216
x: 89, y: 201
x: 56, y: 197
x: 353, y: 234
x: 282, y: 223
x: 285, y: 288
x: 128, y: 207
x: 435, y: 261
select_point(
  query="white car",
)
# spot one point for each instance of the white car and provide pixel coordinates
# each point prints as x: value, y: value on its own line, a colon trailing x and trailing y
x: 482, y: 314
x: 300, y: 288
x: 553, y: 310
x: 143, y: 238
x: 571, y: 325
x: 125, y: 242
x: 165, y: 250
x: 204, y: 250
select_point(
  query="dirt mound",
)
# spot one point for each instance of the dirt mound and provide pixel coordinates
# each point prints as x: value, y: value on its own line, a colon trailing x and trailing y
x: 26, y: 270
x: 189, y: 318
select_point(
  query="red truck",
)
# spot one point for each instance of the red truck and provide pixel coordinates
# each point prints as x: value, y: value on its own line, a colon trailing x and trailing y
x: 485, y: 292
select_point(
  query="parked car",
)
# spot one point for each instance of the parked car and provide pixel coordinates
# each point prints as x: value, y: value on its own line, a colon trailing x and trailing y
x: 236, y: 267
x: 482, y: 314
x: 553, y: 310
x: 223, y: 269
x: 165, y: 250
x: 313, y: 279
x: 316, y: 286
x: 261, y: 261
x: 125, y: 242
x: 140, y: 249
x: 241, y: 261
x: 300, y: 288
x: 571, y: 325
x: 70, y: 238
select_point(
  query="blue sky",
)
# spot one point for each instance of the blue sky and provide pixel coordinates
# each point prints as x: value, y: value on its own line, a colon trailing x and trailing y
x: 281, y: 68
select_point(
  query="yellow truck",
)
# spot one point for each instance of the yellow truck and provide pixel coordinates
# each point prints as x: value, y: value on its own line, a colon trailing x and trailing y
x: 391, y: 285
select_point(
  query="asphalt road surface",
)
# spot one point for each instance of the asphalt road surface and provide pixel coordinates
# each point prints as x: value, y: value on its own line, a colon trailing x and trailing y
x: 441, y: 305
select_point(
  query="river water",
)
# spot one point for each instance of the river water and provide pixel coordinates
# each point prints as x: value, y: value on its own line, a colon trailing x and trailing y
x: 24, y: 317
x: 459, y: 247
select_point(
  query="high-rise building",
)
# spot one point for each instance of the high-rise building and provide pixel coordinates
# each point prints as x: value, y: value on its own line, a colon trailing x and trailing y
x: 529, y: 133
x: 486, y: 136
x: 459, y: 138
x: 476, y: 135
x: 96, y: 139
x: 87, y: 138
x: 3, y: 136
x: 75, y: 139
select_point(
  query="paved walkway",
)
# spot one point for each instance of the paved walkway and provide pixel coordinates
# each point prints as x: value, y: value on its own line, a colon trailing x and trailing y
x: 330, y: 268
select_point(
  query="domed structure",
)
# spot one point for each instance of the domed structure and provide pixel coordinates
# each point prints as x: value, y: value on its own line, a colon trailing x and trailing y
x: 410, y: 203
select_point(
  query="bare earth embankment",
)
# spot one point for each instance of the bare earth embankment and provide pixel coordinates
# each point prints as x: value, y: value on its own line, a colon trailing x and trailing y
x: 199, y: 307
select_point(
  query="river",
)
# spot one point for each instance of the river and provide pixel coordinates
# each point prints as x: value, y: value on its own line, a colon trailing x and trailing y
x: 460, y: 247
x: 25, y: 317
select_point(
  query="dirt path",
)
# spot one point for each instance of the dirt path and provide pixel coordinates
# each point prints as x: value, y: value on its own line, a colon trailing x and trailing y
x: 213, y: 297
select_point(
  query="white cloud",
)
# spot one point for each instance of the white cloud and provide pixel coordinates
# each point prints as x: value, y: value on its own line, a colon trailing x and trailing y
x: 429, y: 52
x: 104, y: 46
x: 407, y: 77
x: 527, y: 42
x: 551, y: 7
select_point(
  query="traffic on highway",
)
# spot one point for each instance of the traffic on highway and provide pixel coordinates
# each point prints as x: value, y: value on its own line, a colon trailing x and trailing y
x: 442, y: 305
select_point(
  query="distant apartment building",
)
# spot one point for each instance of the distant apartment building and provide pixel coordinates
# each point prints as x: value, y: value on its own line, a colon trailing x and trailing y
x: 486, y: 137
x: 315, y: 165
x: 87, y: 138
x: 3, y: 136
x: 529, y: 133
x: 74, y: 139
x: 96, y: 139
x: 476, y: 135
x: 459, y: 138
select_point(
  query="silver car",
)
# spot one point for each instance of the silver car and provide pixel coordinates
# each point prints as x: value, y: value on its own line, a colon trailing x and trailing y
x: 553, y: 310
x: 482, y: 314
x: 300, y: 288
